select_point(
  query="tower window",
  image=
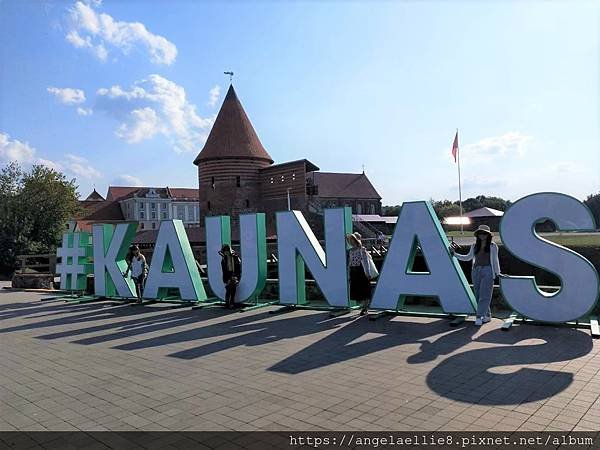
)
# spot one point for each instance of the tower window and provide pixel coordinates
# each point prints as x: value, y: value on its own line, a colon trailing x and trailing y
x: 247, y: 203
x: 272, y: 180
x: 208, y: 205
x: 237, y: 181
x: 212, y: 182
x: 282, y: 178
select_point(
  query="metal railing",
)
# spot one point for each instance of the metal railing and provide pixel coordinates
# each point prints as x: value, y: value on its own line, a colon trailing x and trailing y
x: 36, y: 263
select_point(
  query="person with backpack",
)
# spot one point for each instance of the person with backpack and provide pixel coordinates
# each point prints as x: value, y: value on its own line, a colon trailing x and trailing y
x: 361, y: 270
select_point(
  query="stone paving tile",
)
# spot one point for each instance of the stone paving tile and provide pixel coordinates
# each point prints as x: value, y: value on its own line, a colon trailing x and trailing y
x: 95, y: 367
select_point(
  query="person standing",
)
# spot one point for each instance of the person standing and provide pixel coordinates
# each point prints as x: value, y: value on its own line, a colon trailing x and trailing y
x: 231, y: 265
x: 360, y: 284
x: 381, y: 240
x: 136, y: 263
x: 486, y: 267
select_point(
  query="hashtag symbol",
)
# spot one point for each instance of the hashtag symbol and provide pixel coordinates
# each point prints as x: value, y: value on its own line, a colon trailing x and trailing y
x: 74, y: 256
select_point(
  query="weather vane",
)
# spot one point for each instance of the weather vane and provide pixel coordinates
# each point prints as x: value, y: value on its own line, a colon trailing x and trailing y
x: 230, y: 75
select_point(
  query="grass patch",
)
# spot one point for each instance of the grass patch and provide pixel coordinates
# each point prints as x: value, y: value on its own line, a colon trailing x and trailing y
x: 565, y: 239
x: 574, y: 240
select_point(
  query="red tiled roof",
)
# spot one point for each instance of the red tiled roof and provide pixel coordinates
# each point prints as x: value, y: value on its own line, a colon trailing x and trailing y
x: 232, y: 134
x: 93, y: 210
x: 123, y: 192
x: 117, y: 192
x: 185, y: 193
x: 343, y: 185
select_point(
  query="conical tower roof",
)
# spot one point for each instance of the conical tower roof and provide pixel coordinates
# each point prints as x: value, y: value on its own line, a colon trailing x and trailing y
x: 232, y: 134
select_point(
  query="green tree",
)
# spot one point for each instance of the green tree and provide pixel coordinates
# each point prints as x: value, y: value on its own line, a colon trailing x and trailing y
x: 445, y: 208
x: 34, y: 208
x: 593, y: 202
x: 481, y: 201
x: 390, y: 210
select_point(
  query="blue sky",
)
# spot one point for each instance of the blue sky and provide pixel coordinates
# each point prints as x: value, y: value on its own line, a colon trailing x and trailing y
x: 122, y: 92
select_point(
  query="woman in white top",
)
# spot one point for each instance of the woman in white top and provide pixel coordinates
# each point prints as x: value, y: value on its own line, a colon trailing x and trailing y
x: 486, y: 267
x: 136, y: 262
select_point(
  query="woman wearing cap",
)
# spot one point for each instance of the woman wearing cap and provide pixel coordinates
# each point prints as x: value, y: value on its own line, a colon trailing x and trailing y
x: 232, y: 271
x: 360, y: 286
x: 486, y: 267
x: 136, y: 262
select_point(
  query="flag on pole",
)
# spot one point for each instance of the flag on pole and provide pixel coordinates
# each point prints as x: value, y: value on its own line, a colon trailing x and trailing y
x: 455, y: 146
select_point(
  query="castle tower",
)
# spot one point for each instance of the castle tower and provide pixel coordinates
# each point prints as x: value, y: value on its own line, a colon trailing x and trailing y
x: 229, y: 163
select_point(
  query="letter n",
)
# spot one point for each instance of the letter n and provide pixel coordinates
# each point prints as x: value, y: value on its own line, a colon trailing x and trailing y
x: 297, y: 246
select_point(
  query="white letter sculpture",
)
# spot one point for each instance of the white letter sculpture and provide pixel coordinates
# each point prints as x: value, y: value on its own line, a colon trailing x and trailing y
x: 173, y: 265
x: 418, y: 224
x: 253, y: 244
x: 111, y: 245
x: 579, y: 279
x: 298, y: 245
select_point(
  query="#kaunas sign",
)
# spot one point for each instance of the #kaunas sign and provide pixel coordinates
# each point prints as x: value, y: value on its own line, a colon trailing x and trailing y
x: 173, y: 264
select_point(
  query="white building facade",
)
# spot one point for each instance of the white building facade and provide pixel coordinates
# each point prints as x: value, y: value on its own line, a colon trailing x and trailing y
x: 148, y: 206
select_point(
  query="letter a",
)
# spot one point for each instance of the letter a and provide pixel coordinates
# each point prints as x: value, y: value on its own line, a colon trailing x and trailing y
x: 417, y: 223
x: 173, y: 265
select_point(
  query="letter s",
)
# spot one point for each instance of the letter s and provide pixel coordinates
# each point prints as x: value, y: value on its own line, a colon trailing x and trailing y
x: 579, y: 280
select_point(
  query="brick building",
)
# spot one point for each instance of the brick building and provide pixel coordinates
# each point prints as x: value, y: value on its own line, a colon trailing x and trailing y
x: 236, y: 175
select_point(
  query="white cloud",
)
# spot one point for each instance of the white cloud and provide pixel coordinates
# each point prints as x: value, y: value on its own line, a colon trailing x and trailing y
x: 97, y: 31
x: 68, y: 96
x: 26, y: 155
x: 14, y: 150
x: 143, y: 124
x: 79, y: 42
x: 155, y: 106
x: 80, y: 167
x: 101, y: 52
x: 50, y: 164
x: 128, y: 180
x: 512, y: 143
x: 84, y: 111
x: 213, y: 96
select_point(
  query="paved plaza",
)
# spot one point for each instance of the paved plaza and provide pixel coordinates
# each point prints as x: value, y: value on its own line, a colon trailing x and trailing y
x: 100, y: 367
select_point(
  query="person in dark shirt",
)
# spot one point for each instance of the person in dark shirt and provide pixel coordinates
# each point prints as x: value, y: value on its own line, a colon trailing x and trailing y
x: 231, y: 266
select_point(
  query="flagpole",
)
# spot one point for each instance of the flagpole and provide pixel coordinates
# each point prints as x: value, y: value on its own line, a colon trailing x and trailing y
x: 459, y: 186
